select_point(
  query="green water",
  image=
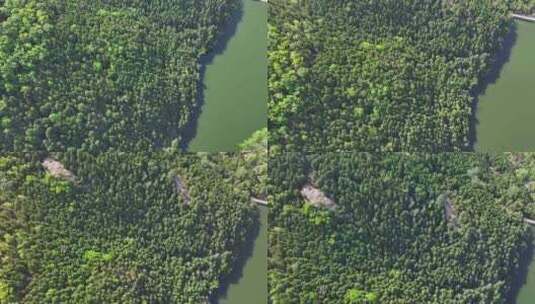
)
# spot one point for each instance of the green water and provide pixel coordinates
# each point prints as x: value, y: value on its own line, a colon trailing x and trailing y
x: 526, y: 294
x: 251, y: 287
x: 506, y: 110
x: 235, y: 93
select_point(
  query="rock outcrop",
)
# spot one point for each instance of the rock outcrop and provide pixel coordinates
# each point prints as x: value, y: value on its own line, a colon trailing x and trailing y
x: 317, y: 198
x: 450, y: 212
x: 56, y: 169
x: 181, y: 189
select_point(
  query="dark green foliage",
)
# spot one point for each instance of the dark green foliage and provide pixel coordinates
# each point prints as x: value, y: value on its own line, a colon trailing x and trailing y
x: 378, y: 75
x: 120, y: 233
x: 389, y: 240
x: 100, y: 75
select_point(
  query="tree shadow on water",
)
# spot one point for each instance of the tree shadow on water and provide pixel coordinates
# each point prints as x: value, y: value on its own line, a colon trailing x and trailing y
x: 245, y: 253
x: 229, y: 30
x: 491, y: 77
x: 521, y: 275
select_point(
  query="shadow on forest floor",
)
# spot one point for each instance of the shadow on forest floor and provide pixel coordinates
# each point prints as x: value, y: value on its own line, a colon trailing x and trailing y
x: 229, y: 29
x: 491, y: 77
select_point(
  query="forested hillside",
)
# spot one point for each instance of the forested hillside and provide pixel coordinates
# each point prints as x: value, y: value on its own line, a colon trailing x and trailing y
x: 380, y: 75
x: 404, y: 228
x: 121, y: 227
x: 104, y: 74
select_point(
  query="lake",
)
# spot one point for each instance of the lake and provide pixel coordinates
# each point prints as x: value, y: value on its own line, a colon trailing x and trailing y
x: 248, y: 283
x: 526, y: 292
x: 505, y: 114
x: 505, y: 119
x: 234, y: 93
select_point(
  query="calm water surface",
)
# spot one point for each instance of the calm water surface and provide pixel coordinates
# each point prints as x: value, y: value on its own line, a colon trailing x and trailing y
x: 505, y: 118
x: 526, y: 294
x: 506, y: 110
x: 234, y: 101
x: 250, y: 285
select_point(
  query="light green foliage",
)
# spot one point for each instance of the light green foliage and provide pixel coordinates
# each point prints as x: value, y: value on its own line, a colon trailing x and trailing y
x: 356, y: 296
x: 254, y: 154
x: 257, y: 141
x: 56, y: 185
x: 4, y: 292
x: 95, y: 256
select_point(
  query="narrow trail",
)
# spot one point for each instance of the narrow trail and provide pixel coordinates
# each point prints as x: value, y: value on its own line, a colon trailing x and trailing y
x: 524, y: 17
x: 259, y: 201
x: 528, y: 221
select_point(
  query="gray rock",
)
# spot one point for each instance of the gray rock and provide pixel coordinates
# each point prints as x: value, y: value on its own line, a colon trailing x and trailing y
x: 317, y: 198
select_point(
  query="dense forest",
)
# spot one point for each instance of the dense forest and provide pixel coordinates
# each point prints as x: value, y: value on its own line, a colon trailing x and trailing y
x: 400, y: 228
x: 122, y: 227
x: 380, y: 75
x: 102, y: 74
